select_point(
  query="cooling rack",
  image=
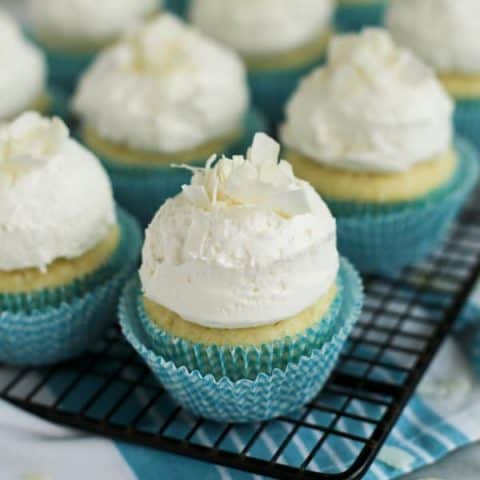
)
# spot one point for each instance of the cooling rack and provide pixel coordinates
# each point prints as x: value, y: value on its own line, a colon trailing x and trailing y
x: 405, y: 319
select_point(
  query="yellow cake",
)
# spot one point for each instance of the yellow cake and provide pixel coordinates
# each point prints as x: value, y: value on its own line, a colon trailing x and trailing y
x: 461, y: 86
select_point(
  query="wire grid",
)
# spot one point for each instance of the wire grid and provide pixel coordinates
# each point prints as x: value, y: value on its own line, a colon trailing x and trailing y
x: 111, y: 392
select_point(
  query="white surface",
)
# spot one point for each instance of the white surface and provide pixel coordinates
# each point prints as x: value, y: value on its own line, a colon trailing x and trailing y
x: 373, y: 107
x: 168, y: 88
x: 246, y: 244
x: 443, y: 32
x: 262, y: 26
x: 55, y: 198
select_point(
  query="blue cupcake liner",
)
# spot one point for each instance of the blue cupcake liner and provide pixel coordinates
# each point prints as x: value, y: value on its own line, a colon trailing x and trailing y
x: 352, y: 18
x: 237, y: 362
x: 385, y: 241
x: 142, y: 190
x: 467, y: 120
x: 271, y: 89
x: 178, y: 7
x: 248, y: 400
x: 43, y: 333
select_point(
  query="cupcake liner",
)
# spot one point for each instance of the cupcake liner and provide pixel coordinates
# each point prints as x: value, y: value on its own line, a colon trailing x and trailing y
x: 51, y: 326
x: 467, y: 120
x: 236, y: 362
x: 385, y: 241
x: 248, y: 400
x: 352, y: 18
x: 271, y: 89
x: 142, y: 190
x: 178, y: 7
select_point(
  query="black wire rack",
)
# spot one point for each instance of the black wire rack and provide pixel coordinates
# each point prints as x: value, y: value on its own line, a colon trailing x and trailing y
x: 112, y: 393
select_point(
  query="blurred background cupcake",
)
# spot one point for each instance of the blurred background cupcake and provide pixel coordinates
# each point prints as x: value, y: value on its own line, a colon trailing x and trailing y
x: 22, y: 73
x: 279, y: 40
x: 445, y: 33
x: 178, y: 7
x: 353, y: 15
x: 72, y: 32
x: 166, y: 95
x: 244, y: 303
x: 64, y: 252
x: 372, y: 132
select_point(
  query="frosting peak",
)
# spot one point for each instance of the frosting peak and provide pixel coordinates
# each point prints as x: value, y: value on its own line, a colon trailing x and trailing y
x: 166, y: 88
x: 374, y: 106
x: 245, y: 244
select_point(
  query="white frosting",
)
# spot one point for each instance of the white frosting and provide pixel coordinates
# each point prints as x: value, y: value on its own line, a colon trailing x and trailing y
x: 373, y: 107
x: 245, y: 244
x: 89, y: 20
x: 262, y: 26
x: 55, y: 198
x: 444, y: 33
x: 167, y: 89
x: 22, y: 70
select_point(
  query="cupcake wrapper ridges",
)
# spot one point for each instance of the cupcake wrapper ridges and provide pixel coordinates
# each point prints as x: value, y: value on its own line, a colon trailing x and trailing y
x: 352, y: 18
x: 467, y: 120
x: 44, y: 333
x: 143, y: 190
x: 384, y: 242
x: 248, y: 400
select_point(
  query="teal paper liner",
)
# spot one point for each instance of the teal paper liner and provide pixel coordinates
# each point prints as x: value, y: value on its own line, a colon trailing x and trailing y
x: 271, y: 89
x: 246, y: 400
x: 467, y: 120
x: 385, y: 241
x: 178, y: 7
x: 142, y: 190
x: 352, y: 18
x: 51, y: 326
x: 236, y: 362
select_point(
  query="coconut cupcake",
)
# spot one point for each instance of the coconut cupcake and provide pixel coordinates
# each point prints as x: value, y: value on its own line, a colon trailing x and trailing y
x: 22, y: 73
x: 353, y: 15
x: 243, y: 303
x: 372, y: 132
x: 64, y: 252
x: 279, y: 40
x: 72, y: 32
x: 166, y: 95
x: 451, y: 48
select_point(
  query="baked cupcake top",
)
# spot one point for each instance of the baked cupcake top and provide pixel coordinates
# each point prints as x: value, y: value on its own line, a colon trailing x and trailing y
x: 86, y: 23
x: 166, y: 88
x: 245, y: 244
x: 373, y: 107
x: 262, y: 26
x: 443, y: 32
x: 55, y: 198
x: 22, y: 70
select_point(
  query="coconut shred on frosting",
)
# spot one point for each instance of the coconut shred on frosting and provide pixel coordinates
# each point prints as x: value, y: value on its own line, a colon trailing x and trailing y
x: 373, y: 107
x: 55, y: 198
x: 245, y: 244
x: 255, y: 27
x: 22, y: 70
x: 443, y: 32
x: 166, y: 89
x: 91, y: 21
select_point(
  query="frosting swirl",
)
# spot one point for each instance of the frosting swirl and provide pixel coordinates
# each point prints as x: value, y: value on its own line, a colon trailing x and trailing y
x: 88, y: 21
x: 262, y: 26
x: 443, y: 32
x: 373, y: 107
x: 245, y: 244
x: 22, y: 70
x: 55, y: 198
x: 166, y: 89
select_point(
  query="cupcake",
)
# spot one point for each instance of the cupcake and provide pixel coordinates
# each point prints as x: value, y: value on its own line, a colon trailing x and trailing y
x: 22, y: 73
x: 167, y: 95
x: 72, y: 32
x: 64, y: 250
x: 353, y: 15
x: 451, y: 48
x: 279, y: 40
x: 243, y: 303
x: 372, y: 132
